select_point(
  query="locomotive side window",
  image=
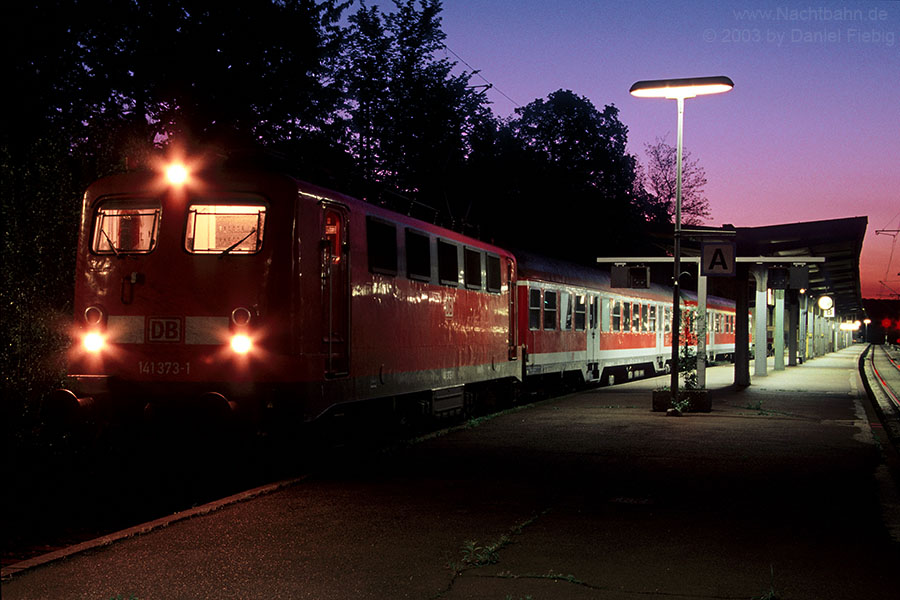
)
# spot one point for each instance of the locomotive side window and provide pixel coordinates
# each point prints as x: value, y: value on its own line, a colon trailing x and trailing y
x: 225, y: 228
x: 418, y: 255
x: 534, y: 308
x: 580, y: 311
x: 472, y: 264
x: 448, y: 263
x: 492, y: 264
x: 126, y: 226
x: 381, y: 243
x: 549, y: 309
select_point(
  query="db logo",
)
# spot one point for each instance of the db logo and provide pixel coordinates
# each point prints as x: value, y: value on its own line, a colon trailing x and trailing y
x: 162, y: 329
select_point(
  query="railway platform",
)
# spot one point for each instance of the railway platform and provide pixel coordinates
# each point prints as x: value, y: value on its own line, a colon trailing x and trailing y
x: 781, y: 491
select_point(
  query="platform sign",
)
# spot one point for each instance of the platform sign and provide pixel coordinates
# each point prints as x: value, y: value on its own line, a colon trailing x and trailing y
x: 717, y: 259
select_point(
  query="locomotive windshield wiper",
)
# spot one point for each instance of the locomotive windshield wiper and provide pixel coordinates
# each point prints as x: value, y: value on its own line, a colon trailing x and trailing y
x: 237, y: 243
x: 110, y: 242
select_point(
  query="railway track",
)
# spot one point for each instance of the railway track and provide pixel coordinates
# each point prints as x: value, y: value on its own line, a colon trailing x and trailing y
x: 881, y: 370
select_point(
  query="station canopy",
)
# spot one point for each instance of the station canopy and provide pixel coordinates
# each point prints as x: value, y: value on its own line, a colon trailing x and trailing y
x: 838, y: 241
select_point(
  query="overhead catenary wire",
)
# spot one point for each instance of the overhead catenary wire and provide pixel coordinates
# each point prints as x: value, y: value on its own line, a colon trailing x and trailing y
x: 490, y: 84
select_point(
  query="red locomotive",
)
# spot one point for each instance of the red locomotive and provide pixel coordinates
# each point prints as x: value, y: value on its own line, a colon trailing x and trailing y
x: 250, y: 289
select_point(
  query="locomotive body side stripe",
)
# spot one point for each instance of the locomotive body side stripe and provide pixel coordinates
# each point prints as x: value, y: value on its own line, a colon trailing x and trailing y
x: 126, y: 329
x: 205, y: 330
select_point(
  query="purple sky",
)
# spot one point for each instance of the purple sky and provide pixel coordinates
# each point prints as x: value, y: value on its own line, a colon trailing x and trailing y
x: 810, y: 131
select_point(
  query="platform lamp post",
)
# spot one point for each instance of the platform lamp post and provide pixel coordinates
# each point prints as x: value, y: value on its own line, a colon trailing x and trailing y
x: 679, y: 89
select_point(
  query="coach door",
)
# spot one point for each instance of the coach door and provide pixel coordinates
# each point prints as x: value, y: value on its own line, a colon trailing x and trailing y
x: 335, y: 291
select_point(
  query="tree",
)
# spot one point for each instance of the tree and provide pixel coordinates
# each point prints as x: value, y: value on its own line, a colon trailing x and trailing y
x: 660, y: 182
x: 410, y: 116
x: 573, y: 182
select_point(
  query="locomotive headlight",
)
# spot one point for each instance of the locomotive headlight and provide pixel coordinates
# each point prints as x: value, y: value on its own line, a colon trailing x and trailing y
x: 94, y: 342
x: 241, y: 343
x: 176, y: 174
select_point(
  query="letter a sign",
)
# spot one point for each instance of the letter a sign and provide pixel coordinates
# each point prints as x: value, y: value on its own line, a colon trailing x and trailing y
x: 717, y: 259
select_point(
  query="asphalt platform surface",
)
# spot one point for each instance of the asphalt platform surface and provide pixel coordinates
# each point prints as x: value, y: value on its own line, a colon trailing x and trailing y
x: 782, y: 491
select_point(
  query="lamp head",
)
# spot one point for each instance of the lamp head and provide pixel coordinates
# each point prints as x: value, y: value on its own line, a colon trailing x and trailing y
x: 681, y: 88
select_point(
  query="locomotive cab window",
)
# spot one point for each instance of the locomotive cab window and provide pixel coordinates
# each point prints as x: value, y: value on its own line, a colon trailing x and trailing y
x: 126, y: 227
x: 225, y: 228
x: 381, y: 243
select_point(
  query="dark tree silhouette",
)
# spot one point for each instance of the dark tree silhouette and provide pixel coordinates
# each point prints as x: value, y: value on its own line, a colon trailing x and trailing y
x: 574, y: 178
x: 660, y: 183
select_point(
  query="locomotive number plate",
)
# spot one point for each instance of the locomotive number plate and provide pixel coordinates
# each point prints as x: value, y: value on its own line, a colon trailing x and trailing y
x: 163, y: 367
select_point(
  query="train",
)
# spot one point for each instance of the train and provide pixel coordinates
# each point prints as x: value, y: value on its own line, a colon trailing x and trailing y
x: 247, y: 290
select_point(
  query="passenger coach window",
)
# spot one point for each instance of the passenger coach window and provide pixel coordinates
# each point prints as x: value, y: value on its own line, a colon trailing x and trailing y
x: 381, y: 243
x: 418, y: 255
x: 580, y: 312
x: 565, y: 307
x: 448, y: 263
x: 616, y: 307
x: 549, y: 309
x: 472, y: 261
x: 626, y: 316
x: 492, y: 264
x: 534, y: 309
x: 126, y: 226
x: 225, y: 228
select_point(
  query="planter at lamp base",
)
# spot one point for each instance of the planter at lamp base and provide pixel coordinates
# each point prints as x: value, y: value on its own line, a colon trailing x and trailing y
x: 699, y: 400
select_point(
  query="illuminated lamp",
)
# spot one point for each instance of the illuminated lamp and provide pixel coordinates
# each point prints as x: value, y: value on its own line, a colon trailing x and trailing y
x: 241, y: 343
x: 176, y: 174
x: 679, y: 89
x: 673, y: 89
x: 826, y: 302
x: 94, y: 342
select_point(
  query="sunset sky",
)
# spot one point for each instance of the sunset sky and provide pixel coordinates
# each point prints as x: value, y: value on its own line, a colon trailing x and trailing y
x: 810, y: 131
